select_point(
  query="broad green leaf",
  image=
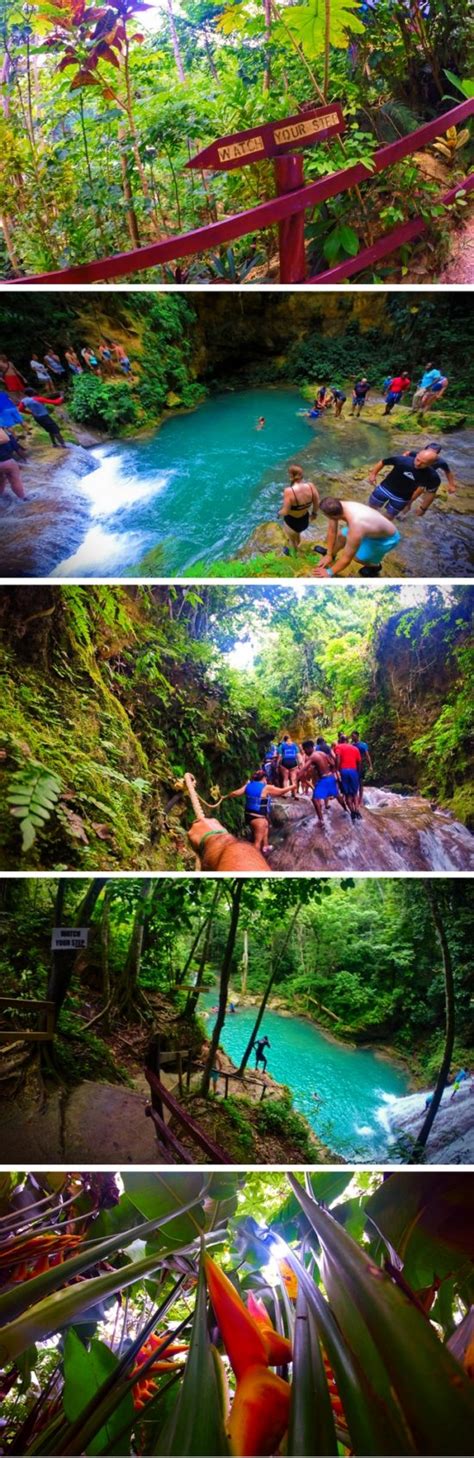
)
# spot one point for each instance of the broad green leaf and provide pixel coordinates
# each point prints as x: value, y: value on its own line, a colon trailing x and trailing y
x: 154, y: 1194
x: 311, y: 1428
x: 349, y: 239
x: 61, y: 1308
x: 308, y: 24
x: 429, y: 1219
x: 84, y: 1372
x: 435, y: 1397
x: 327, y: 1185
x: 196, y: 1425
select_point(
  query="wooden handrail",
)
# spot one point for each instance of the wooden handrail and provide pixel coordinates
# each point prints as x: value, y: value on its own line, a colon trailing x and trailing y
x: 26, y: 1035
x: 266, y: 214
x: 215, y: 1151
x: 168, y: 1139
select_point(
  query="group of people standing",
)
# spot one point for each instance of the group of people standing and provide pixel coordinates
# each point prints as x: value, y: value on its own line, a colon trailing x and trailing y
x: 19, y: 397
x: 314, y: 768
x: 432, y: 386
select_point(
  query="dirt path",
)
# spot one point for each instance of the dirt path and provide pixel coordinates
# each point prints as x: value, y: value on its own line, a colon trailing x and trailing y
x: 93, y: 1123
x: 460, y: 267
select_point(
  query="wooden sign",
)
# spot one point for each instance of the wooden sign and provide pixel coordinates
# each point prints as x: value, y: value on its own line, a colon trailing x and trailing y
x: 272, y: 139
x: 69, y: 938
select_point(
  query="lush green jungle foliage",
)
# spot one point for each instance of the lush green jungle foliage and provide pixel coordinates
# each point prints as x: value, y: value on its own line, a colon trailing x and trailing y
x: 104, y: 105
x: 110, y: 694
x: 362, y: 958
x: 161, y: 1337
x: 181, y: 348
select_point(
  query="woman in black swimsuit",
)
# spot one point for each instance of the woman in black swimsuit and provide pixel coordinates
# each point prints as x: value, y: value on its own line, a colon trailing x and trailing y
x: 300, y: 502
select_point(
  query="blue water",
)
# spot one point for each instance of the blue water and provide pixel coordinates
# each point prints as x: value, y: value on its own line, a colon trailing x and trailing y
x: 196, y: 490
x: 356, y: 1087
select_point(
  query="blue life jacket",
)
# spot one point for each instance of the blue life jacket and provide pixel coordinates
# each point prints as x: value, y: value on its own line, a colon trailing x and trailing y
x: 254, y: 804
x: 289, y: 755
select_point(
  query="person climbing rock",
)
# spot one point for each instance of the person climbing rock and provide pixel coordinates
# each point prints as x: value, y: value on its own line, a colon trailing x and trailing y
x: 365, y: 761
x: 413, y: 474
x: 339, y: 400
x: 257, y: 793
x: 260, y: 1044
x: 9, y: 470
x: 304, y: 776
x: 270, y: 764
x: 396, y: 389
x: 349, y: 760
x: 300, y: 503
x: 43, y: 418
x: 218, y: 850
x: 359, y: 395
x: 325, y: 784
x: 288, y: 763
x: 365, y: 535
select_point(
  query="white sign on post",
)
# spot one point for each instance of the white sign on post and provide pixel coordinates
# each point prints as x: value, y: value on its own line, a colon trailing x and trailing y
x: 69, y: 938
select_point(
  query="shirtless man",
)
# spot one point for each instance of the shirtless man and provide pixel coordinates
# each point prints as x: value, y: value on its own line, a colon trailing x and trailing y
x: 324, y: 780
x: 300, y: 502
x: 365, y: 535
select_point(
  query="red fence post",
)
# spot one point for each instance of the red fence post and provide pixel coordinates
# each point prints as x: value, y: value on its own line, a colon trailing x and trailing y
x: 289, y: 177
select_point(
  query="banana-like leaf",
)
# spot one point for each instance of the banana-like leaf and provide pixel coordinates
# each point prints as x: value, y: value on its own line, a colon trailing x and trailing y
x: 61, y: 1308
x: 374, y: 1429
x: 149, y: 1190
x: 435, y: 1397
x: 429, y: 1218
x: 311, y: 1429
x: 28, y: 1293
x: 196, y: 1425
x: 85, y: 1369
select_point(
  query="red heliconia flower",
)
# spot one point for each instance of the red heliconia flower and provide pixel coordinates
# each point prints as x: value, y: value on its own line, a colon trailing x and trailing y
x: 261, y: 1406
x: 145, y: 1388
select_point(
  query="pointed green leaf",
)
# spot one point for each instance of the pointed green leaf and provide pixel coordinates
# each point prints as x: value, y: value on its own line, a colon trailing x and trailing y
x: 85, y: 1369
x: 311, y: 1428
x: 195, y: 1428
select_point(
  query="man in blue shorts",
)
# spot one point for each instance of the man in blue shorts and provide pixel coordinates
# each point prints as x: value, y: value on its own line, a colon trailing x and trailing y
x: 355, y: 532
x: 322, y: 767
x: 349, y: 760
x: 359, y: 396
x: 413, y: 474
x: 365, y: 761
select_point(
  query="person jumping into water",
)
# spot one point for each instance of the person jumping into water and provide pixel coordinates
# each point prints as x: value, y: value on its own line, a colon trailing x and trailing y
x: 258, y: 794
x: 260, y: 1046
x: 365, y: 761
x: 288, y: 763
x: 359, y: 395
x: 349, y: 760
x: 365, y: 535
x: 300, y: 502
x: 414, y: 474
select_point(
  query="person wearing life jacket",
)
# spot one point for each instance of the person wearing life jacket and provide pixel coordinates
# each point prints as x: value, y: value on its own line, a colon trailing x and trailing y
x: 258, y: 795
x: 288, y: 762
x: 270, y: 764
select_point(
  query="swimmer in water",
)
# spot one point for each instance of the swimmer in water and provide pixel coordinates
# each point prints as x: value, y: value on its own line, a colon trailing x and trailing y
x: 260, y: 423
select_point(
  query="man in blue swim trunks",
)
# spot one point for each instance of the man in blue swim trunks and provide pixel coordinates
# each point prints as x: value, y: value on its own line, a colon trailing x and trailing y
x: 365, y: 760
x: 322, y: 767
x: 414, y: 474
x: 355, y: 532
x: 359, y: 395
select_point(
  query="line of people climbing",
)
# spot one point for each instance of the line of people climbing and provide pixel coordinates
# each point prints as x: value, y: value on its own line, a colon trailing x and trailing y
x: 315, y: 769
x: 359, y: 531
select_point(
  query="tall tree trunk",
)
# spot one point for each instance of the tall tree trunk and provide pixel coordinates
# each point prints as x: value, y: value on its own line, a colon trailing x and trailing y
x: 127, y: 986
x: 180, y: 977
x: 432, y: 896
x: 237, y: 890
x: 62, y: 965
x: 193, y: 996
x: 267, y: 992
x: 105, y: 943
x: 245, y: 963
x: 175, y: 43
x: 130, y: 213
x: 327, y: 45
x: 267, y: 7
x: 5, y: 225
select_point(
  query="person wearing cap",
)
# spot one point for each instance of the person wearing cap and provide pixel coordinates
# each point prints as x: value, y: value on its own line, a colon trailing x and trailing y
x: 415, y: 474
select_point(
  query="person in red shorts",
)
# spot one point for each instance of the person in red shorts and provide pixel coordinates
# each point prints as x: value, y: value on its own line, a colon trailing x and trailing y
x: 349, y: 761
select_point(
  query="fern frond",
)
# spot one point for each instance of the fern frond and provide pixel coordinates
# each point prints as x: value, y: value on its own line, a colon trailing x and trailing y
x: 32, y: 795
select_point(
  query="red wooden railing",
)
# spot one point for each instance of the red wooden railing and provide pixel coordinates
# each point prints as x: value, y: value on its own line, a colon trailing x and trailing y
x: 161, y: 1095
x: 266, y: 214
